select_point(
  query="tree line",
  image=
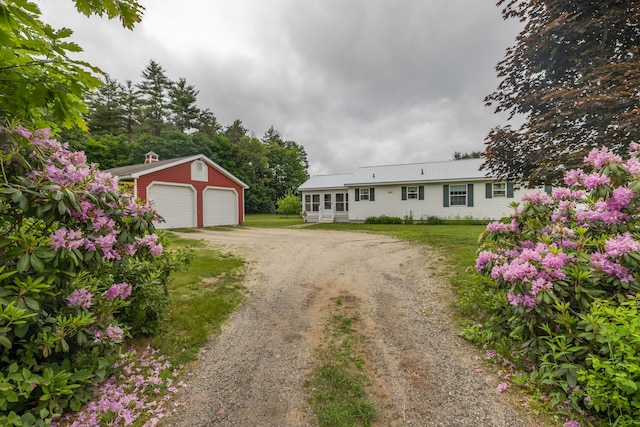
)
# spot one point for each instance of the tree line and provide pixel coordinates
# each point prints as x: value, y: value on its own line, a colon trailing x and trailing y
x: 127, y: 120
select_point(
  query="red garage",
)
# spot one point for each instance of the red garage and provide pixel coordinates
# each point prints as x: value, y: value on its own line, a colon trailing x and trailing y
x: 191, y: 191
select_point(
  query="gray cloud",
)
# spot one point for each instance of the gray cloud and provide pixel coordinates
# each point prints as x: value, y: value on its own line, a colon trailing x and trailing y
x: 356, y: 83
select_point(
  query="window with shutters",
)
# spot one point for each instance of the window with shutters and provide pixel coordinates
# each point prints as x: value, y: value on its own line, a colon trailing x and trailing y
x: 364, y: 194
x: 412, y: 192
x: 458, y: 195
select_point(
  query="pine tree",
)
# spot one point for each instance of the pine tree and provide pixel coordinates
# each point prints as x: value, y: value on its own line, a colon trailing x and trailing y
x: 106, y: 113
x: 183, y: 110
x: 153, y: 91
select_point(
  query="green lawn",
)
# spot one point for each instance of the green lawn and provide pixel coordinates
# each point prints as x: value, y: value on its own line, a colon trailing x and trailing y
x: 272, y: 220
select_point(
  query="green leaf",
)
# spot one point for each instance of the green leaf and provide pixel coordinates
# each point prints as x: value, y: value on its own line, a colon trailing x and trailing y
x: 5, y: 342
x: 62, y: 208
x: 24, y: 263
x: 36, y: 263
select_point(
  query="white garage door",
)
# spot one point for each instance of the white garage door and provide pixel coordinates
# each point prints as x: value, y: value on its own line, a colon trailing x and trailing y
x: 220, y: 207
x: 175, y: 203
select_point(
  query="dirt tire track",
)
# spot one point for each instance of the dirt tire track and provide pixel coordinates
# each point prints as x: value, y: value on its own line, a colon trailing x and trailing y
x: 253, y: 374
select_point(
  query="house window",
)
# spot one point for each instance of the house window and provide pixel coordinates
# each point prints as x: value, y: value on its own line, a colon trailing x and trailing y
x: 342, y: 202
x: 307, y: 202
x: 500, y: 189
x: 458, y: 195
x: 315, y: 204
x: 412, y: 192
x: 327, y: 201
x: 364, y: 194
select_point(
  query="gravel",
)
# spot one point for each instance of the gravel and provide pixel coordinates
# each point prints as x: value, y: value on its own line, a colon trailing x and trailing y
x: 425, y: 374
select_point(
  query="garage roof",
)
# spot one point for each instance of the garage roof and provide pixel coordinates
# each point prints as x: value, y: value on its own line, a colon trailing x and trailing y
x: 136, y: 171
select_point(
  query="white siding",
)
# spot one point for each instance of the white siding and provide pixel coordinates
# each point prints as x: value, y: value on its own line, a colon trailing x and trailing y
x: 388, y: 201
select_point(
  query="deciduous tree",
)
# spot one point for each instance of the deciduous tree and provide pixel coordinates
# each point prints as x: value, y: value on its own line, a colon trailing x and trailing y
x: 39, y: 83
x: 573, y: 77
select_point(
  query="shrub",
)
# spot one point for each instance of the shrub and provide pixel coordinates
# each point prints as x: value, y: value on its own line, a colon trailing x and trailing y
x: 431, y: 220
x: 81, y: 266
x: 383, y: 219
x: 289, y: 204
x: 564, y: 271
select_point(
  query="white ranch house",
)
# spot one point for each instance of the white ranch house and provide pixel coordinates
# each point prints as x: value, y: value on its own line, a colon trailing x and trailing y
x: 447, y: 189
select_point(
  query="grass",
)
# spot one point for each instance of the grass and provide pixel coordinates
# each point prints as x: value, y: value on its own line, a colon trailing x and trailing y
x: 272, y: 220
x: 202, y: 298
x: 338, y: 382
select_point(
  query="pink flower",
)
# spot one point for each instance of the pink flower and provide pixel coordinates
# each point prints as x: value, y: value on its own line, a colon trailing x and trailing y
x: 633, y: 165
x: 599, y: 157
x: 594, y: 180
x: 572, y: 423
x: 621, y: 245
x: 114, y: 333
x: 118, y: 290
x: 574, y: 177
x: 80, y: 297
x: 538, y: 198
x: 502, y: 387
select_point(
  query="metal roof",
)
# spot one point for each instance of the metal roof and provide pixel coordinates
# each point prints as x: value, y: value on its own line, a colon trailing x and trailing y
x: 136, y: 171
x: 325, y: 181
x: 450, y: 170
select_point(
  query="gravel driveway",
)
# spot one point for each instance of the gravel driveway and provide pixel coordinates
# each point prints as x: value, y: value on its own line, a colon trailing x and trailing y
x: 425, y: 375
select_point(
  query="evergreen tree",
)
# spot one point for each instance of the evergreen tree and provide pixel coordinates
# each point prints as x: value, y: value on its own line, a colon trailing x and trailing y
x: 207, y: 123
x: 131, y: 110
x: 153, y: 91
x: 106, y: 112
x: 184, y: 112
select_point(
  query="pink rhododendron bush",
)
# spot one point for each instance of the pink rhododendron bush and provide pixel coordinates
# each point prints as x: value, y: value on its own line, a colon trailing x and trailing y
x: 564, y: 275
x: 81, y: 269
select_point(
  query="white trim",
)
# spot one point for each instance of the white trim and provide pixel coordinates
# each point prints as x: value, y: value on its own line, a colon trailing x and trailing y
x: 194, y: 218
x: 190, y: 159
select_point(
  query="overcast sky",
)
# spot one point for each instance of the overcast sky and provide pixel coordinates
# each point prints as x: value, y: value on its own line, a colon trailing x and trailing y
x: 355, y: 82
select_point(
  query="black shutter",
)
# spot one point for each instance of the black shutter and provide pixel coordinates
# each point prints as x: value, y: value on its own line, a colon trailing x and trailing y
x: 548, y: 189
x: 470, y: 195
x: 488, y: 190
x: 372, y: 194
x: 357, y: 198
x: 445, y: 196
x: 421, y: 192
x: 404, y: 193
x: 510, y: 189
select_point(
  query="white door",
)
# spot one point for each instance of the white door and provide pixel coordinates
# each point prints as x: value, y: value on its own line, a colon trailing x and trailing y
x: 327, y: 205
x: 220, y: 207
x: 175, y: 203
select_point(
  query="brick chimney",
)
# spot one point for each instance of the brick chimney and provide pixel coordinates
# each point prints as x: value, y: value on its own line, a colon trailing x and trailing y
x: 150, y: 157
